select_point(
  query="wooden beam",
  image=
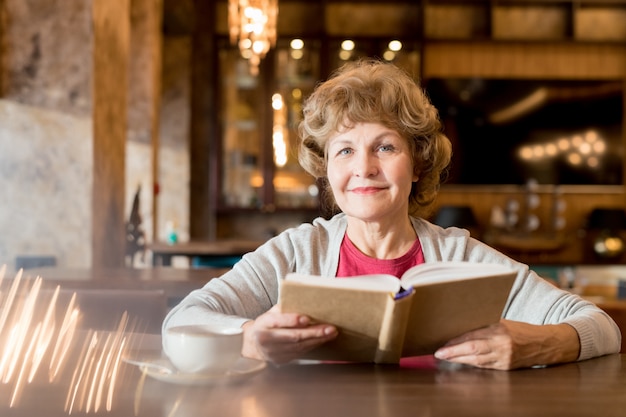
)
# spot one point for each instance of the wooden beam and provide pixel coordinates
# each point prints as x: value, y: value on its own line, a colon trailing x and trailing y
x: 111, y: 31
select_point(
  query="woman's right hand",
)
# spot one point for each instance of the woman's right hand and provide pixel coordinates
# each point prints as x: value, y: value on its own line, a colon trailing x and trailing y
x: 282, y: 337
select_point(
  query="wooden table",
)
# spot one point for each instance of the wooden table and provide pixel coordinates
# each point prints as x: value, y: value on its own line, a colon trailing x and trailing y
x: 420, y: 387
x: 163, y: 252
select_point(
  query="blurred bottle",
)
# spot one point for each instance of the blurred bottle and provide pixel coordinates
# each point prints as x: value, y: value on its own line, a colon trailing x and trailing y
x: 171, y: 232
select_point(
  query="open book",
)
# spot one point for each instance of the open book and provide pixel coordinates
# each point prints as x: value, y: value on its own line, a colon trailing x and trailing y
x: 382, y: 318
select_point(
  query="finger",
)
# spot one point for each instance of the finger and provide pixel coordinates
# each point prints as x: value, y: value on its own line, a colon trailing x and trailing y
x: 273, y: 320
x: 282, y: 345
x: 463, y: 349
x: 481, y: 355
x: 292, y: 336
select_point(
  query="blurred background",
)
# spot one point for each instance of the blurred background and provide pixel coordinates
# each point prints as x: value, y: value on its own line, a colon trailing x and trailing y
x: 134, y: 122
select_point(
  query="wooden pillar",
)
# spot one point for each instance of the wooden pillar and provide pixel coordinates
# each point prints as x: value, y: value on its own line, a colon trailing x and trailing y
x: 204, y: 142
x: 624, y: 134
x: 144, y: 88
x: 156, y: 48
x: 3, y: 64
x: 111, y: 39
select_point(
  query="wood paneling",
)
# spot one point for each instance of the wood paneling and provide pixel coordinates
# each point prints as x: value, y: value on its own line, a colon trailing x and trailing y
x: 600, y: 23
x: 531, y: 22
x: 525, y: 60
x: 111, y: 31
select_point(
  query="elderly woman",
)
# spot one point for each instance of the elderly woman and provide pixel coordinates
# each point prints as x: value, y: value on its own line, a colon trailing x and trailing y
x: 371, y: 136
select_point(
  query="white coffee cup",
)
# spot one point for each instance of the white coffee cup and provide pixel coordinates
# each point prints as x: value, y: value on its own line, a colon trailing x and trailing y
x: 203, y: 347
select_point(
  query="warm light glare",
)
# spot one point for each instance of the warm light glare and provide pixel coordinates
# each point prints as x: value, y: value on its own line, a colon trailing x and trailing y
x: 277, y: 101
x: 252, y: 26
x: 551, y: 149
x: 577, y: 150
x: 245, y: 43
x: 584, y: 148
x: 563, y: 144
x: 599, y: 147
x: 593, y: 162
x: 280, y: 147
x: 279, y: 132
x: 256, y: 180
x: 296, y: 44
x: 347, y: 45
x: 297, y: 54
x: 574, y: 159
x: 389, y: 55
x: 526, y: 153
x: 614, y: 244
x: 395, y: 46
x: 258, y: 47
x: 344, y: 55
x: 591, y: 136
x: 32, y: 340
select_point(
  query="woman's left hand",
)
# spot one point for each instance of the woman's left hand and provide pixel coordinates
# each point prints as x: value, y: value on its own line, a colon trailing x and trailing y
x: 512, y: 344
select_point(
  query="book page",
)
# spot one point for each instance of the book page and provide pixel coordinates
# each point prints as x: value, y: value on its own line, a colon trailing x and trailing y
x: 378, y: 283
x: 434, y: 272
x: 445, y: 310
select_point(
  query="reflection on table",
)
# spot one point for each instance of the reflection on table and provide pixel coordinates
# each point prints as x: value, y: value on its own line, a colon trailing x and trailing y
x: 94, y: 379
x: 51, y: 365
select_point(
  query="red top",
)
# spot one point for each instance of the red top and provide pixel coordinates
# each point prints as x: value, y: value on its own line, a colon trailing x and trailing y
x: 354, y: 262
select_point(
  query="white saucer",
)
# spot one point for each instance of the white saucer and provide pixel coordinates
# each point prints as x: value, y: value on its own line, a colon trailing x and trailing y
x: 163, y: 370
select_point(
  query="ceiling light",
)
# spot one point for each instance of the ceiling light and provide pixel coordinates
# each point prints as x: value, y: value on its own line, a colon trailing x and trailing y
x: 252, y: 26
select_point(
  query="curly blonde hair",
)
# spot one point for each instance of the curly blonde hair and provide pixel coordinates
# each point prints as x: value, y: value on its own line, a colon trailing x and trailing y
x: 373, y: 91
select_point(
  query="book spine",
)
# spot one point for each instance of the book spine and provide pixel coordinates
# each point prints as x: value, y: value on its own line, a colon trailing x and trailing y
x: 393, y: 330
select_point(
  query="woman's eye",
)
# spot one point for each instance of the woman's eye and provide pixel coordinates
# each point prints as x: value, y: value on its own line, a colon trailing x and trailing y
x: 386, y: 148
x: 345, y: 151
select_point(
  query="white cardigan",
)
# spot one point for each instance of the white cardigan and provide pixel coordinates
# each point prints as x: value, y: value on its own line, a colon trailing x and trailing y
x: 251, y: 287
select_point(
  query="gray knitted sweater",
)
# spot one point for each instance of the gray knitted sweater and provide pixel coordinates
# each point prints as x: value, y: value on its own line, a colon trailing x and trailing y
x: 252, y: 286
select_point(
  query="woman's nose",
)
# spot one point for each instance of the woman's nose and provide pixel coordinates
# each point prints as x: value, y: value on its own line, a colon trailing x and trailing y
x: 365, y: 165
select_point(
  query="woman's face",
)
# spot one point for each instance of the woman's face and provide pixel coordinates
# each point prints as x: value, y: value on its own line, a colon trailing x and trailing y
x: 370, y: 171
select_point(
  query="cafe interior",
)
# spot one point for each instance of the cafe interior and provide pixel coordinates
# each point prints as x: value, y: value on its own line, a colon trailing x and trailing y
x: 145, y: 145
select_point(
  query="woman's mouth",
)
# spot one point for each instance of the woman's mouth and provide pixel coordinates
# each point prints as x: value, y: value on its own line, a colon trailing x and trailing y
x: 365, y: 190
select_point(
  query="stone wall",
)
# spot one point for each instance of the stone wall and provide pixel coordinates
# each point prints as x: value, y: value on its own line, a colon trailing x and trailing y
x: 46, y: 134
x: 45, y: 179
